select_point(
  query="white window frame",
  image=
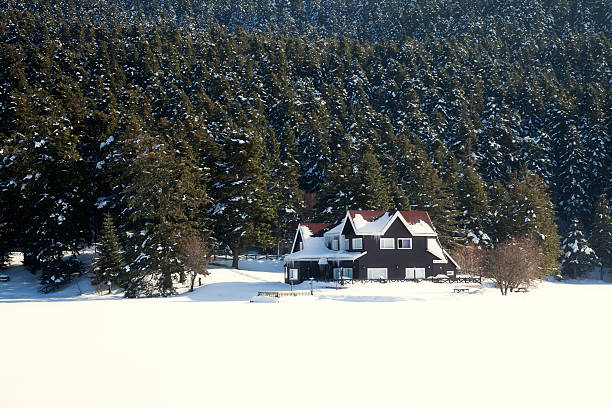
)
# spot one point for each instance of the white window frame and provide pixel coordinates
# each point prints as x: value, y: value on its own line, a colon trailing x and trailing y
x: 371, y: 271
x: 404, y: 239
x: 392, y: 240
x: 357, y: 243
x: 301, y: 246
x: 450, y: 273
x: 334, y: 244
x: 347, y: 244
x: 421, y: 275
x: 293, y: 274
x: 345, y: 273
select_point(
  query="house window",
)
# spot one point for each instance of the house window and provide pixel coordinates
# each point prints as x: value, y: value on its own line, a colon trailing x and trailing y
x: 415, y: 273
x: 301, y: 246
x: 404, y: 243
x: 347, y: 244
x: 450, y: 273
x: 293, y: 274
x: 357, y: 243
x: 334, y: 244
x: 387, y: 243
x: 377, y: 273
x: 346, y: 273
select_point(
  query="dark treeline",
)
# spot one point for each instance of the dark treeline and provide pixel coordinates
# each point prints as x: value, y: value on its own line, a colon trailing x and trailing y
x: 240, y: 118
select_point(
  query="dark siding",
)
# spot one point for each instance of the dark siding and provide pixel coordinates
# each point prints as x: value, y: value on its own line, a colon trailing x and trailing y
x: 397, y: 260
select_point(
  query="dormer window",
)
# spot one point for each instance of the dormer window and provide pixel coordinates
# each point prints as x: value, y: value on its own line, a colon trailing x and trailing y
x: 347, y: 244
x: 357, y: 243
x: 334, y: 244
x: 301, y: 246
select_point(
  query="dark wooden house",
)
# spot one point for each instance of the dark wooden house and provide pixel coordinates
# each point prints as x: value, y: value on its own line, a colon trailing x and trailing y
x: 369, y: 245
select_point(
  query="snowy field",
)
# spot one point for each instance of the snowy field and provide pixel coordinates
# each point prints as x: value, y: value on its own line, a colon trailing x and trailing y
x: 370, y: 345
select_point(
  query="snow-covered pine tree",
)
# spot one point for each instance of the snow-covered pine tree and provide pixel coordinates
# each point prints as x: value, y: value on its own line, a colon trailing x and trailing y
x: 244, y: 210
x: 473, y: 207
x: 601, y: 235
x: 337, y: 193
x: 578, y: 256
x: 372, y: 190
x: 108, y: 266
x: 163, y: 197
x: 287, y: 196
x: 573, y: 177
x: 533, y: 213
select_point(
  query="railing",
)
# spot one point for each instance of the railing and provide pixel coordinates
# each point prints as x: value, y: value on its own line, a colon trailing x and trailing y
x: 285, y: 293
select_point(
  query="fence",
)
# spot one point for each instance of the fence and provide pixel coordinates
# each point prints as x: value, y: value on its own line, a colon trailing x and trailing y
x: 285, y: 293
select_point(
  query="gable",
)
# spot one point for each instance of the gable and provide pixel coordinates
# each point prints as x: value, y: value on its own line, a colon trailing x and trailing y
x: 397, y: 229
x: 296, y: 243
x: 348, y: 229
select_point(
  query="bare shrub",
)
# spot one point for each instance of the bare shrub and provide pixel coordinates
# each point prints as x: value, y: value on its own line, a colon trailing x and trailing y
x: 513, y: 263
x: 470, y: 259
x: 196, y: 252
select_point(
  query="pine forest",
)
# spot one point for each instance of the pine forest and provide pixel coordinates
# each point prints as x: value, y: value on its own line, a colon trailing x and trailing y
x: 140, y: 122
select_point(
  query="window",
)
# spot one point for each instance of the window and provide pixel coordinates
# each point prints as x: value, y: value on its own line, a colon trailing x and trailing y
x: 334, y: 244
x: 293, y: 274
x: 415, y: 273
x: 301, y: 246
x: 347, y: 244
x: 387, y: 243
x: 404, y: 243
x: 450, y: 273
x: 357, y: 243
x: 377, y: 273
x: 346, y: 273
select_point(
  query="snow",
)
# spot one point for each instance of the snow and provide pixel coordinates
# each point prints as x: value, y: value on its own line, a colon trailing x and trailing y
x: 421, y: 228
x: 434, y: 248
x: 401, y: 344
x: 315, y: 248
x: 373, y: 227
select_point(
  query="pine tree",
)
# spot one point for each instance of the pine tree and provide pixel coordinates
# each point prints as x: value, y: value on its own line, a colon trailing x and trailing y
x: 108, y: 267
x: 372, y: 192
x: 578, y: 256
x: 473, y: 207
x: 533, y: 214
x: 601, y: 237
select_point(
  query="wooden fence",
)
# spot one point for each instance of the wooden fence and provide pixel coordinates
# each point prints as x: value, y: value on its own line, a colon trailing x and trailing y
x: 285, y: 293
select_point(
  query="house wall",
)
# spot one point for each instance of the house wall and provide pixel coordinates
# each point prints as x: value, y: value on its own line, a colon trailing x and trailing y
x: 397, y: 260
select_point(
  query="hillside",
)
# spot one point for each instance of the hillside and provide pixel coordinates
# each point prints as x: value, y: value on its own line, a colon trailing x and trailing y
x: 239, y: 118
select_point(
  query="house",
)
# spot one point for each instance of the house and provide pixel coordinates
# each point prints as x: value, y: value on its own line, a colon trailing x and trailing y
x: 364, y: 245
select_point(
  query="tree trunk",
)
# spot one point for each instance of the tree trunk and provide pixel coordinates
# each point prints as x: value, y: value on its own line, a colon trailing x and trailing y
x: 278, y: 244
x: 235, y: 255
x: 193, y: 278
x: 601, y: 273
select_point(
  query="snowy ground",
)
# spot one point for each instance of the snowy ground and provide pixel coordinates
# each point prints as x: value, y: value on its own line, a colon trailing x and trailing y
x: 381, y: 345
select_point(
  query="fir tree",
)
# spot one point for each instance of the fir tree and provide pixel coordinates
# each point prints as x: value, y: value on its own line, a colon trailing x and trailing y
x: 578, y: 256
x: 601, y: 237
x: 108, y: 266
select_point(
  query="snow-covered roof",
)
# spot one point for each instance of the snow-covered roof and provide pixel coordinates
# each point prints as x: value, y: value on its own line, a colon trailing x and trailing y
x: 377, y: 222
x: 434, y: 248
x: 315, y: 249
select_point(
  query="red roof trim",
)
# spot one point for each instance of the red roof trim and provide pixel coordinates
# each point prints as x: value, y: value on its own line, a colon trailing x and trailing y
x: 317, y: 229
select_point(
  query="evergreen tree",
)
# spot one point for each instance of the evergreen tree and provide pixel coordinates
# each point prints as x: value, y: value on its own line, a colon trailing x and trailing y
x: 601, y: 237
x: 108, y: 266
x: 372, y: 192
x: 578, y: 256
